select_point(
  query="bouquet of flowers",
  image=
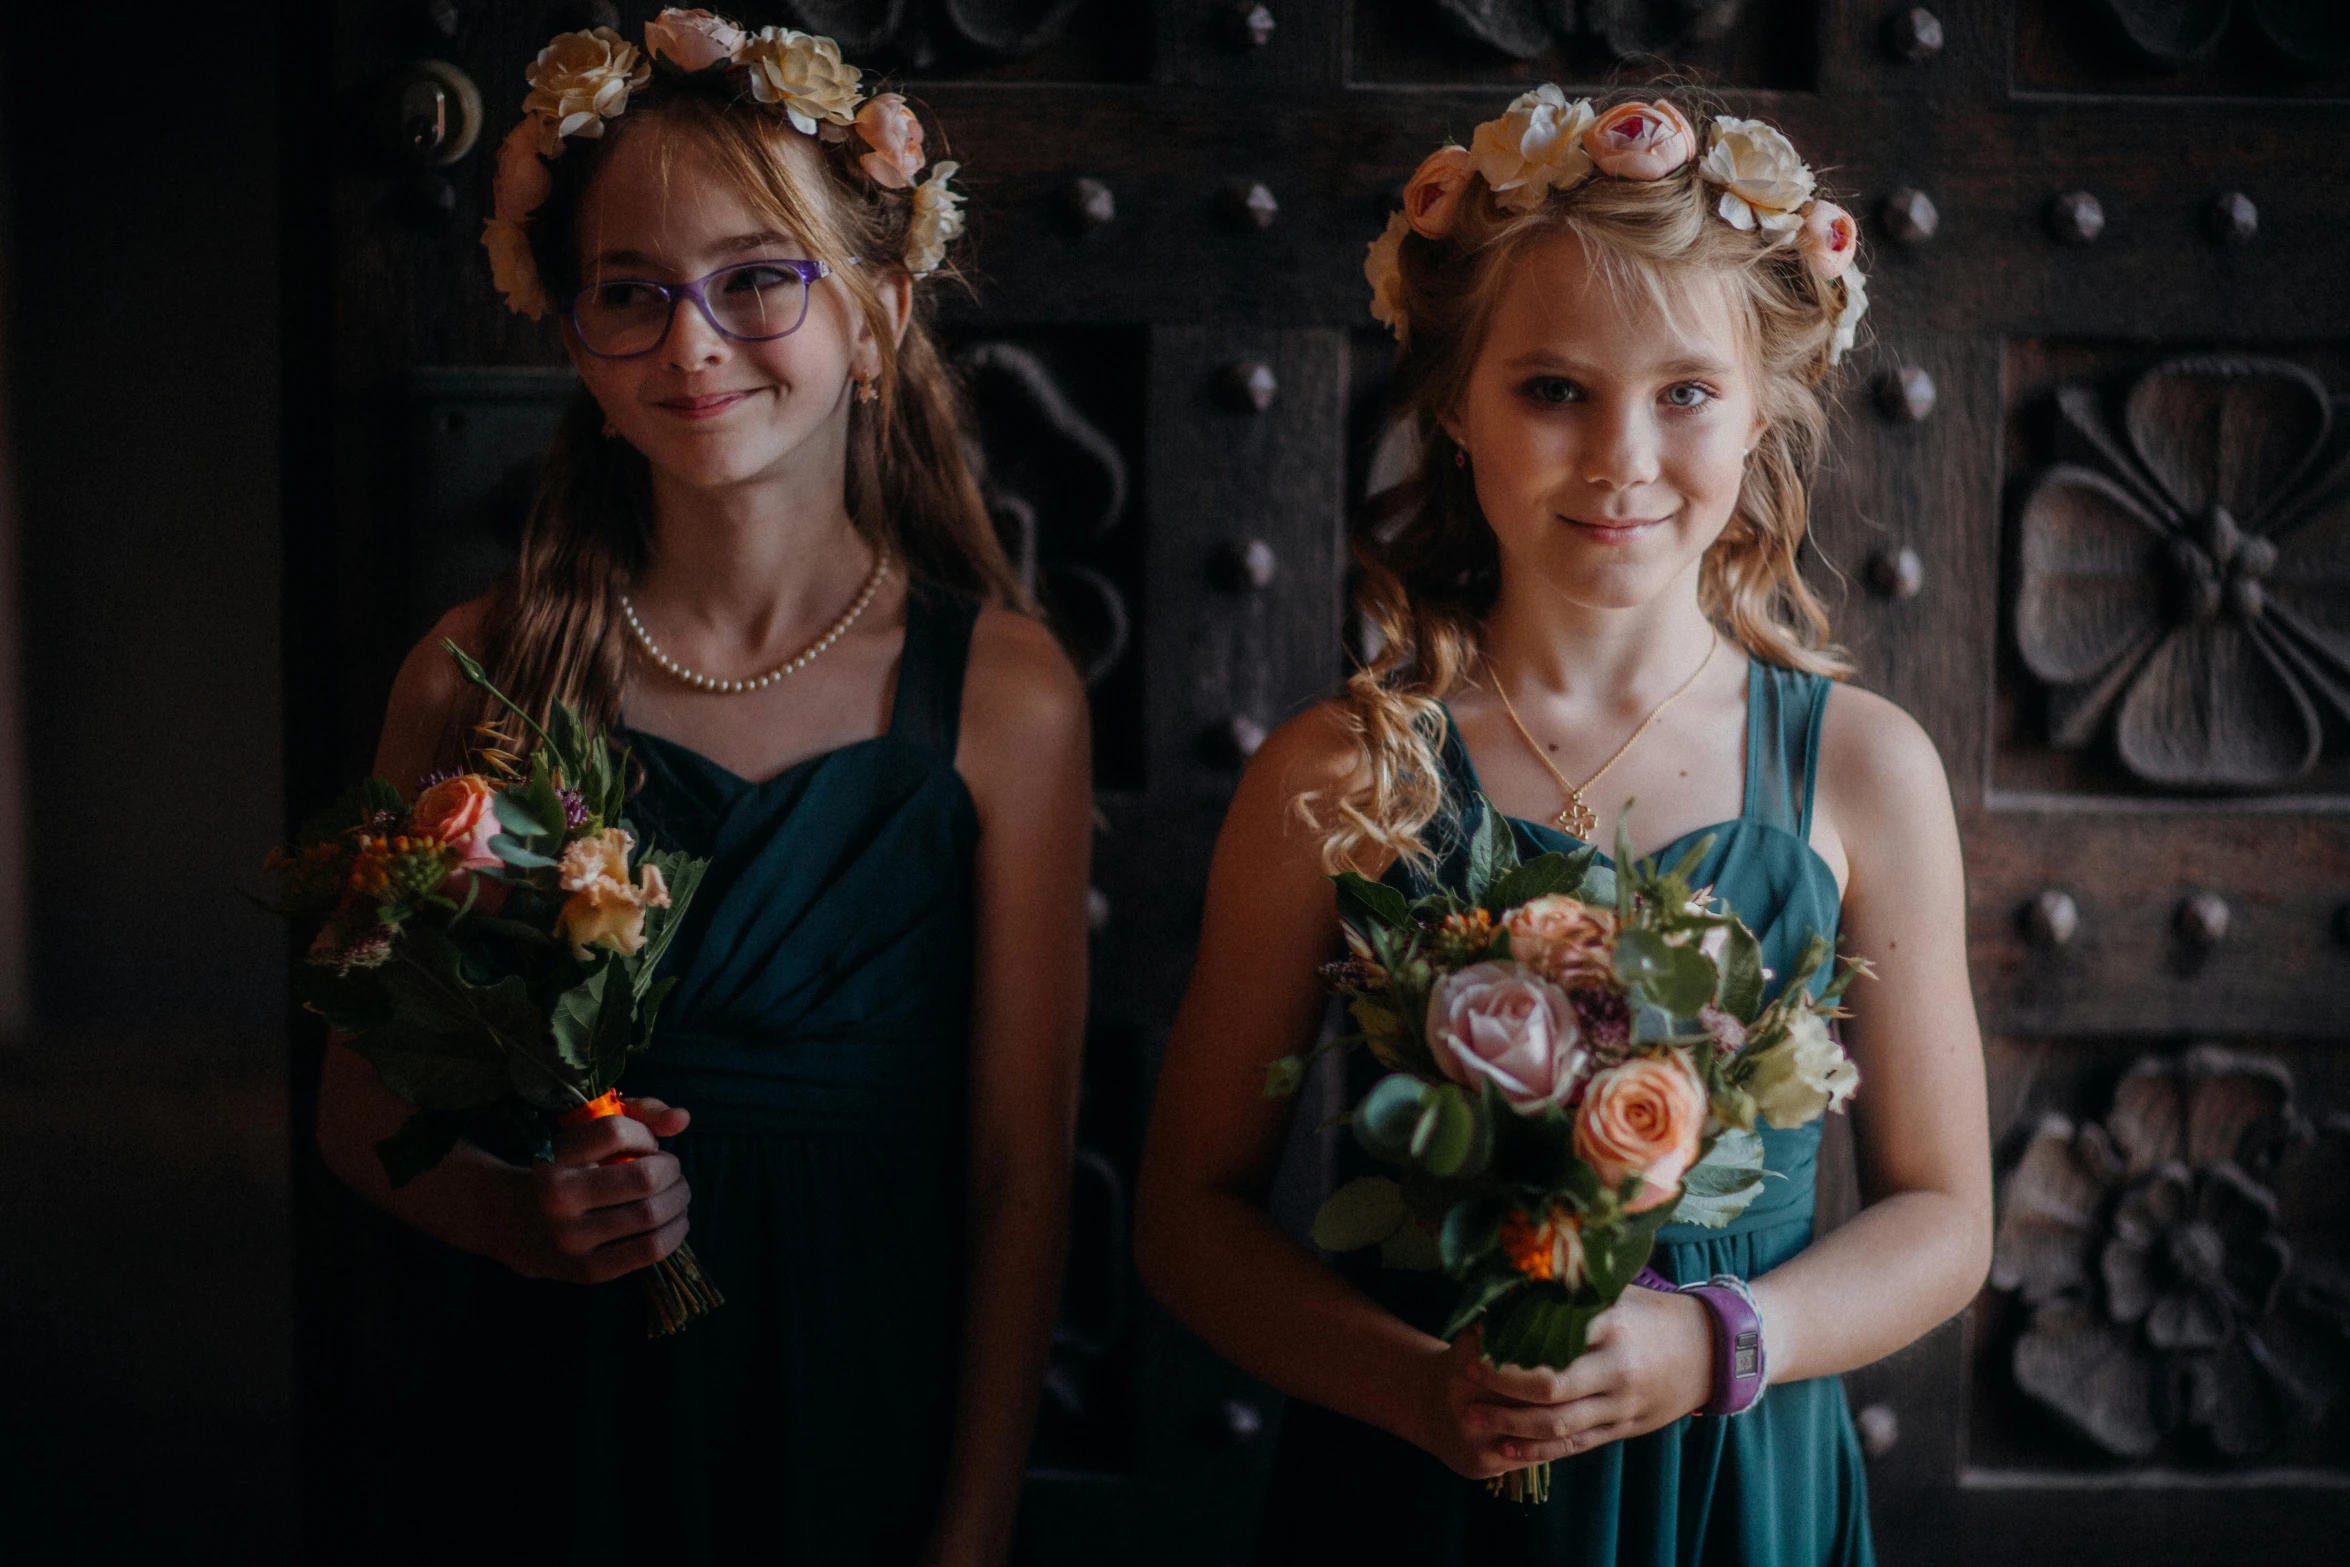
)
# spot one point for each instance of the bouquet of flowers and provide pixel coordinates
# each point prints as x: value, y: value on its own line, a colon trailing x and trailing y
x: 1576, y: 1056
x: 491, y: 950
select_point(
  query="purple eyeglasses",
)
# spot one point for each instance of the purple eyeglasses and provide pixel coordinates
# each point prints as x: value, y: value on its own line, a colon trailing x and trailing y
x: 750, y: 302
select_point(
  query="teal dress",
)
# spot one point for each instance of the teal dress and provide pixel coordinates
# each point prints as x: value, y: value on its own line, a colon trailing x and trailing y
x: 1779, y: 1486
x: 819, y: 1033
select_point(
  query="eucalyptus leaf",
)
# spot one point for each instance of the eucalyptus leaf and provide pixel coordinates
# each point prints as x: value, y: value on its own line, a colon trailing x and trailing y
x: 1386, y: 1119
x: 1471, y: 1229
x: 1680, y: 980
x: 1284, y: 1077
x: 1741, y: 993
x: 516, y: 817
x: 514, y: 852
x: 1409, y: 1246
x: 1445, y: 1137
x: 1363, y: 1212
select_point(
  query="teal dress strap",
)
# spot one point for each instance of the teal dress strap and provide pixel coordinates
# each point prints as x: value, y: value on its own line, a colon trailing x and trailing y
x: 1784, y: 708
x: 928, y: 709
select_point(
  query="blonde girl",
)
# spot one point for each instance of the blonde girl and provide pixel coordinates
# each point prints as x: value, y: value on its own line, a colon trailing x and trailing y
x: 1615, y: 333
x: 758, y: 551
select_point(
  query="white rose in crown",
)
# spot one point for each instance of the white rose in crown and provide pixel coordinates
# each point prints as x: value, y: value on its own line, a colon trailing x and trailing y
x: 938, y: 218
x: 693, y: 40
x: 579, y: 81
x: 1536, y: 147
x: 1503, y: 1023
x: 1802, y: 1076
x: 804, y: 74
x: 1383, y: 270
x: 1763, y: 181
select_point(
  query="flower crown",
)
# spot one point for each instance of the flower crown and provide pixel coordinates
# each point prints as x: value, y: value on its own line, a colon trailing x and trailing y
x: 1545, y: 143
x: 580, y: 80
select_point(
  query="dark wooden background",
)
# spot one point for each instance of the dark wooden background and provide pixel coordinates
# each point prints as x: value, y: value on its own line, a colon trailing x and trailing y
x: 1106, y: 351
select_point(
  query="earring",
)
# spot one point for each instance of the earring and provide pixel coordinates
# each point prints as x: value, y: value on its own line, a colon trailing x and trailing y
x: 1460, y: 458
x: 866, y: 391
x: 610, y: 430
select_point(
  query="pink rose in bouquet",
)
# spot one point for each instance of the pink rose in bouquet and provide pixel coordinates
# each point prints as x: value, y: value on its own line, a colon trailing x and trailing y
x: 1504, y: 1023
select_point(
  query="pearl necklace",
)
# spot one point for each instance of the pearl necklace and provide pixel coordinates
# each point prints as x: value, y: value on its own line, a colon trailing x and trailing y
x: 791, y: 666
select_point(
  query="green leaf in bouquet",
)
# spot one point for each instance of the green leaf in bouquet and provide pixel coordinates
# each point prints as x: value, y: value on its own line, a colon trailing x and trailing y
x: 1494, y: 1282
x: 1493, y: 852
x: 422, y: 1141
x: 1471, y: 1229
x: 1678, y: 979
x: 1538, y: 877
x: 1363, y: 1212
x: 1814, y: 957
x: 1389, y: 1115
x: 1597, y: 885
x: 1383, y: 1032
x: 1720, y: 1186
x: 578, y: 1016
x: 1627, y: 868
x: 1411, y: 1248
x: 1741, y: 990
x: 515, y: 815
x: 649, y: 1007
x: 518, y: 854
x: 1448, y: 1141
x: 1542, y: 1326
x: 351, y: 1003
x: 1284, y: 1076
x: 471, y: 669
x: 432, y: 1072
x: 1370, y: 905
x: 682, y: 874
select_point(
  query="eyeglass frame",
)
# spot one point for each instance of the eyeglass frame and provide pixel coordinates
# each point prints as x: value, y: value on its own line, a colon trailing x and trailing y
x: 810, y: 273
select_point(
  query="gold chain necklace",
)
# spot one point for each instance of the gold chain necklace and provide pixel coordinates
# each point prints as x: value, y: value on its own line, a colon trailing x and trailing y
x: 1575, y: 817
x: 790, y: 666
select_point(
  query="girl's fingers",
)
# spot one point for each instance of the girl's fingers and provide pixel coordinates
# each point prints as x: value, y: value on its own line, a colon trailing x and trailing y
x: 1545, y: 1422
x: 628, y: 1256
x: 1541, y: 1384
x: 1549, y: 1452
x: 660, y: 1118
x: 607, y: 1137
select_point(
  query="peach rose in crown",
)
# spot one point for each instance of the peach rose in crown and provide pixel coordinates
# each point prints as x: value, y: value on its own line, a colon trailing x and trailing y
x: 579, y: 81
x: 1640, y: 141
x: 895, y: 136
x: 1432, y: 200
x: 1567, y: 942
x: 523, y: 181
x: 1828, y: 239
x: 604, y: 909
x: 692, y: 40
x: 457, y: 812
x: 1505, y: 1024
x: 1644, y: 1117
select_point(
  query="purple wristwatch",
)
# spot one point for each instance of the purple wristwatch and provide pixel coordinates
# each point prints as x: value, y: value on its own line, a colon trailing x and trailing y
x: 1740, y: 1368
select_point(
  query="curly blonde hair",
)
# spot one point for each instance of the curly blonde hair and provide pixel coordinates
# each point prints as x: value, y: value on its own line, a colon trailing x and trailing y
x: 1429, y: 564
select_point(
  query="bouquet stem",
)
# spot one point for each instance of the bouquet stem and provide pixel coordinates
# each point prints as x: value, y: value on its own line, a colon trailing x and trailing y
x: 1522, y: 1485
x: 676, y: 1292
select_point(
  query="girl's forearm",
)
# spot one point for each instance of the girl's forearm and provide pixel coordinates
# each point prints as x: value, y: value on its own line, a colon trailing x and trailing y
x: 471, y: 1199
x: 1220, y: 1263
x: 1013, y: 1288
x: 1901, y: 1268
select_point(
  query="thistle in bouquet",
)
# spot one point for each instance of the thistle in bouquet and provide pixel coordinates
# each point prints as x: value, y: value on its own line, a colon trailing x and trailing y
x: 1576, y: 1055
x: 491, y: 950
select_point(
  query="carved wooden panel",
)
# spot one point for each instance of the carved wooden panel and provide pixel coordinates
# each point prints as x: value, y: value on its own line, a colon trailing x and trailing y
x: 987, y: 40
x: 2179, y: 575
x: 2172, y: 1276
x: 2270, y: 48
x: 1749, y: 43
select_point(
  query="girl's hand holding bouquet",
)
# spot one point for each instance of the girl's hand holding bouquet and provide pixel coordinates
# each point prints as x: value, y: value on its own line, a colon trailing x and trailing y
x: 1577, y: 1056
x: 491, y: 952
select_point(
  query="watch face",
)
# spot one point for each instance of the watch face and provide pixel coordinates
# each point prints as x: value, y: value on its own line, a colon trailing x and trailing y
x: 1746, y: 1353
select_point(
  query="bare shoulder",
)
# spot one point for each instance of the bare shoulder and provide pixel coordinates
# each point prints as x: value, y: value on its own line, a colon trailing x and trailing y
x: 416, y: 719
x: 1317, y: 753
x: 1880, y: 775
x: 1020, y: 691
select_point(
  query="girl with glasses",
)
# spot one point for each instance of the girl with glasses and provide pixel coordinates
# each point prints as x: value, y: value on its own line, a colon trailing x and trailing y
x: 758, y: 550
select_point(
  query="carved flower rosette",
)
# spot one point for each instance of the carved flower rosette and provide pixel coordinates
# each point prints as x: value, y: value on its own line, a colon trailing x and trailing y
x: 2151, y: 1254
x: 2185, y: 579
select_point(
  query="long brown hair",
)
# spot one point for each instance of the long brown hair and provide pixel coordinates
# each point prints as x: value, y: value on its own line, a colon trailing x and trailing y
x: 553, y: 630
x: 1430, y: 568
